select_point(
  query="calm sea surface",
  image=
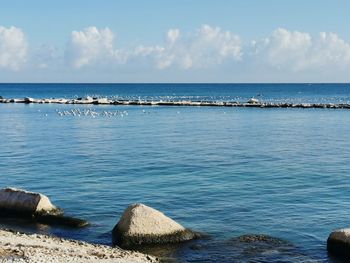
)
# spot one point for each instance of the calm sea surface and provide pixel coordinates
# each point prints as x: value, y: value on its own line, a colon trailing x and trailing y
x: 222, y: 171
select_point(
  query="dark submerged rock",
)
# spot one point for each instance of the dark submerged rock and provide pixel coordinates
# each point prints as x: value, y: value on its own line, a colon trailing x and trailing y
x: 28, y: 100
x: 246, y: 248
x: 61, y: 220
x: 338, y: 243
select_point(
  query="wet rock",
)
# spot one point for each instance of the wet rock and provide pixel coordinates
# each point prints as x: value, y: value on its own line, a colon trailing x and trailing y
x: 247, y: 248
x: 61, y: 220
x: 87, y: 100
x: 141, y: 225
x: 101, y: 101
x: 28, y: 100
x: 35, y: 207
x: 338, y: 242
x: 24, y: 202
x: 18, y: 100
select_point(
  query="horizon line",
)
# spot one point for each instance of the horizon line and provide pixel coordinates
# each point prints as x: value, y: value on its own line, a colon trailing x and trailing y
x: 178, y: 83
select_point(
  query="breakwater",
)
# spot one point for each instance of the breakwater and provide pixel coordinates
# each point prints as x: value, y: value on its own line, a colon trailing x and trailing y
x: 254, y: 103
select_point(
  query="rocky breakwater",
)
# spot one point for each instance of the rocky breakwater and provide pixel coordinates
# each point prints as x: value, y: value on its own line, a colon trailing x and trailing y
x: 143, y: 225
x: 252, y: 103
x: 34, y: 206
x: 338, y: 243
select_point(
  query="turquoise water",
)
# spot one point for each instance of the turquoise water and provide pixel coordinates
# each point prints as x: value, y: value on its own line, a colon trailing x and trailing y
x: 222, y: 171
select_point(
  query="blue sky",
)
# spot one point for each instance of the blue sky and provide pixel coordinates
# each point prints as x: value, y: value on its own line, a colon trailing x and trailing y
x: 175, y: 41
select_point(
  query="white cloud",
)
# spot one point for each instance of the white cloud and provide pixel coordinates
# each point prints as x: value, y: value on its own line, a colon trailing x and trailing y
x: 13, y: 48
x: 298, y: 51
x: 173, y: 35
x: 330, y: 50
x: 92, y: 45
x: 284, y: 55
x: 207, y: 47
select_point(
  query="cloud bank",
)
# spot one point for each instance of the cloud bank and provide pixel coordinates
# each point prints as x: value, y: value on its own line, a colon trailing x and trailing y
x: 298, y: 51
x: 13, y: 48
x: 205, y: 49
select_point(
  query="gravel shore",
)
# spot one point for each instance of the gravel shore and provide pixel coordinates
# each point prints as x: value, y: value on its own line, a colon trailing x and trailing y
x: 19, y: 247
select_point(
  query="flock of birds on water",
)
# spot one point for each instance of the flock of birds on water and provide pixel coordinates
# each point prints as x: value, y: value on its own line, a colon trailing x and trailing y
x: 76, y: 112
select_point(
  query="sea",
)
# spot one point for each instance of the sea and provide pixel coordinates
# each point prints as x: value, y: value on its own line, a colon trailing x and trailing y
x: 223, y: 171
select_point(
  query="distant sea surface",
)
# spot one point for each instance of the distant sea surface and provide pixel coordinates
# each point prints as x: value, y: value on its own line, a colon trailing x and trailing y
x: 222, y: 171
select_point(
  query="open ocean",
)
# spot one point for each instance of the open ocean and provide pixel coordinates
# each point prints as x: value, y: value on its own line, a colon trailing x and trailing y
x: 222, y: 171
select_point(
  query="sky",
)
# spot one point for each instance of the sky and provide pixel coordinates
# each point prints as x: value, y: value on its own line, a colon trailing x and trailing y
x: 230, y: 41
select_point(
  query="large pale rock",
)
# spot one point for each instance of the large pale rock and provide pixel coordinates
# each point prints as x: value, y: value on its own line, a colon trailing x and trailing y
x: 21, y: 201
x: 338, y: 242
x: 141, y: 224
x: 253, y: 101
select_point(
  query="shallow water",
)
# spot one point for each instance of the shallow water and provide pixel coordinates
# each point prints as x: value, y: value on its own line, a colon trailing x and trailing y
x: 222, y: 171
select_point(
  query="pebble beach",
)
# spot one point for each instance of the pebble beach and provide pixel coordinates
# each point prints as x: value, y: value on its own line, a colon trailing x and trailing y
x: 20, y: 247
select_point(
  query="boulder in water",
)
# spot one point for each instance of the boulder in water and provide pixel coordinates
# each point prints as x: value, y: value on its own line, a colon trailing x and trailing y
x: 247, y: 248
x: 102, y: 101
x: 338, y: 242
x: 24, y: 202
x: 253, y: 101
x: 62, y: 220
x: 141, y: 225
x: 28, y: 100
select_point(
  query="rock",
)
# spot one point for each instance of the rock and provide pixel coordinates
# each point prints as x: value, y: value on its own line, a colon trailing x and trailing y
x: 102, y: 101
x: 247, y: 248
x: 24, y: 202
x: 87, y: 100
x: 28, y: 100
x: 62, y: 220
x: 18, y: 101
x: 253, y: 101
x: 338, y: 242
x: 140, y: 225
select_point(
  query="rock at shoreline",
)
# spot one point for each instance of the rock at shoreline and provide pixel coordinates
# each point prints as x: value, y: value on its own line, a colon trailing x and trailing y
x: 61, y: 220
x: 26, y: 203
x: 141, y: 225
x: 338, y: 242
x: 37, y: 207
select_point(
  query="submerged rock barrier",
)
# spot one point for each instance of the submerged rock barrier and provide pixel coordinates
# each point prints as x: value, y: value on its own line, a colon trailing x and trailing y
x: 105, y: 101
x: 35, y: 206
x: 143, y: 225
x: 247, y: 248
x: 338, y: 242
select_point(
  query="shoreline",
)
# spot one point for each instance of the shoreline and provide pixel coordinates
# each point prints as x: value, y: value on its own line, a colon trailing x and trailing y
x: 105, y: 101
x: 21, y: 247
